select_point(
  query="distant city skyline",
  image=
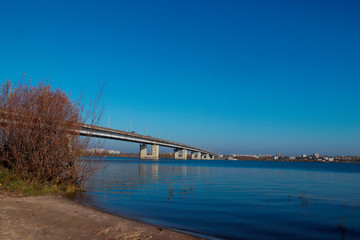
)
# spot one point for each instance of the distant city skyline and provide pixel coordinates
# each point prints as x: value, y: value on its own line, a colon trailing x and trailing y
x: 243, y: 77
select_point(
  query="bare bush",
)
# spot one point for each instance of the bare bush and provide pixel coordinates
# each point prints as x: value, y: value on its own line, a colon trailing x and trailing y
x: 39, y: 136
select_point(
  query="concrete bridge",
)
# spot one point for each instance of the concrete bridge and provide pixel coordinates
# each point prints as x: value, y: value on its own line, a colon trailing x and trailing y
x: 180, y: 150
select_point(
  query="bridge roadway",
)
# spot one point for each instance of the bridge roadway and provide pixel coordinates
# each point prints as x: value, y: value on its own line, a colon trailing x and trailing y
x: 180, y: 150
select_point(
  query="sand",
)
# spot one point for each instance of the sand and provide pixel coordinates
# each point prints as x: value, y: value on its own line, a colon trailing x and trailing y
x: 56, y: 217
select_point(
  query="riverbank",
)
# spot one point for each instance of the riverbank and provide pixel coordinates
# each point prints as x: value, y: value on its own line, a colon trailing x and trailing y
x: 56, y: 217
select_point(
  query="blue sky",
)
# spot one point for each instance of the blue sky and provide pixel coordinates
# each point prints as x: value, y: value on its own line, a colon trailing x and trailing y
x: 228, y: 76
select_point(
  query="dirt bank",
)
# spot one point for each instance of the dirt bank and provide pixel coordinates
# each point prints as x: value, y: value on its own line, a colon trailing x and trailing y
x: 55, y: 217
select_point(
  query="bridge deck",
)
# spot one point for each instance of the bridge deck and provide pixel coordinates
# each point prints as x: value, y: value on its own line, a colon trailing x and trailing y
x: 108, y: 133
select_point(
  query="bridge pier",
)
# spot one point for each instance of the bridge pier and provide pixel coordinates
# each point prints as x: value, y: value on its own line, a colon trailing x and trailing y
x: 177, y: 155
x: 196, y: 156
x: 70, y: 145
x: 154, y: 152
x: 205, y: 156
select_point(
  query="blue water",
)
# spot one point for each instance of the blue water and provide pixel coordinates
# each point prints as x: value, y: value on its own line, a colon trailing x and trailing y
x: 233, y: 199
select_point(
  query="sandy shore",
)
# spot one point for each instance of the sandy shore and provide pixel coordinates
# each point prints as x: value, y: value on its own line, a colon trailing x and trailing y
x: 55, y: 217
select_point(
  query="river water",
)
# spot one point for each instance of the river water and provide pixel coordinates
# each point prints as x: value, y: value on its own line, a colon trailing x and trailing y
x: 232, y: 199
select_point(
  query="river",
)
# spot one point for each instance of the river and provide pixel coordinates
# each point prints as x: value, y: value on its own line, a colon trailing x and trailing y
x: 232, y: 199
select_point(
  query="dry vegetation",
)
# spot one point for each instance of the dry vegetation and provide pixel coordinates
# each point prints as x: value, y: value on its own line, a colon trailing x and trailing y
x: 38, y: 135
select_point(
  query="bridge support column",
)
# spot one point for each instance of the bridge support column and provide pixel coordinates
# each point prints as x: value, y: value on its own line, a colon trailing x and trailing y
x: 205, y: 156
x: 178, y: 156
x: 154, y: 152
x: 196, y: 156
x: 70, y: 145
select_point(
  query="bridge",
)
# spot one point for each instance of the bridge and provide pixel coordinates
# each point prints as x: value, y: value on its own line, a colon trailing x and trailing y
x: 180, y: 150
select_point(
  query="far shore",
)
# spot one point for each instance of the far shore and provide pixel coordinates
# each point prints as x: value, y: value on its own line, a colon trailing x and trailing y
x: 56, y: 217
x: 263, y: 159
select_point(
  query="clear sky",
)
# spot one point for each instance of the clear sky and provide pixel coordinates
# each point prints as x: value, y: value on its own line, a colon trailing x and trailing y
x: 228, y: 76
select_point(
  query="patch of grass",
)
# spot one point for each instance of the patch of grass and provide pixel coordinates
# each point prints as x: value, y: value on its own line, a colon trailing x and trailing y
x: 10, y: 182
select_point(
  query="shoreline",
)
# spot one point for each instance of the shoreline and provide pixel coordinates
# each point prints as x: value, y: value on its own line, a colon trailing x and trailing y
x: 257, y: 159
x: 57, y: 217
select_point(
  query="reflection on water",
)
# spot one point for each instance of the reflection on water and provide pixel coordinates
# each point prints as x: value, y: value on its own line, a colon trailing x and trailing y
x: 233, y: 199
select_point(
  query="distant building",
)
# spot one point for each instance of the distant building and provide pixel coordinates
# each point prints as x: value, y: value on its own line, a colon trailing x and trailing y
x: 244, y: 155
x: 99, y: 150
x: 113, y: 152
x: 304, y: 155
x: 292, y: 158
x: 316, y: 155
